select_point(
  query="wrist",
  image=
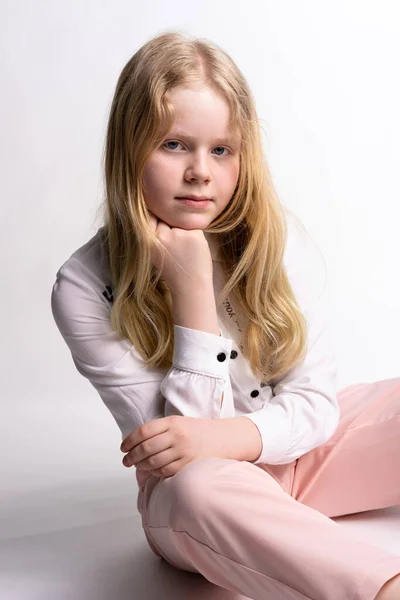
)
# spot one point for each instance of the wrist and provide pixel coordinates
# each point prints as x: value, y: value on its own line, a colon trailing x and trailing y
x: 196, y: 309
x: 247, y: 444
x: 198, y: 287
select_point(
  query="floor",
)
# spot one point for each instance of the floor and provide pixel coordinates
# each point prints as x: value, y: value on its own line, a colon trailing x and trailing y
x: 84, y: 542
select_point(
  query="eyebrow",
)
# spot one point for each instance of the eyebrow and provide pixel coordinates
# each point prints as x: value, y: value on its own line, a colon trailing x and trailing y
x: 232, y: 138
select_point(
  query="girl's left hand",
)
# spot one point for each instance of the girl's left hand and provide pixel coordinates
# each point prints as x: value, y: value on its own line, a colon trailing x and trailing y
x: 164, y: 446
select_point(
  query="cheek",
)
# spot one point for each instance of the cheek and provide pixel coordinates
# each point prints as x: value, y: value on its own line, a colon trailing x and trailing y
x: 158, y: 172
x: 234, y: 175
x: 148, y: 176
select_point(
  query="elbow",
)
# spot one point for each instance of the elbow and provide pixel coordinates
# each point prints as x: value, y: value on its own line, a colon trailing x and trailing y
x: 332, y: 420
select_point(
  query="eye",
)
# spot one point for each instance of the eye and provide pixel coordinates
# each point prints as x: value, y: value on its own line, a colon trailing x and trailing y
x: 176, y: 142
x: 171, y: 142
x: 221, y: 148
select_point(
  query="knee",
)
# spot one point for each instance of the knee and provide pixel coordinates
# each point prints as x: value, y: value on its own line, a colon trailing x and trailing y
x: 190, y: 490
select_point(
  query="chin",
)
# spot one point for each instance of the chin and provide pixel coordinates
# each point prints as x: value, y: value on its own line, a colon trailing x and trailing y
x: 189, y: 226
x: 190, y: 222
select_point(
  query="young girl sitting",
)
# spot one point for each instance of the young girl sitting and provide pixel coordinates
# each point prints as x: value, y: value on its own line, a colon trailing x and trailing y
x: 196, y: 313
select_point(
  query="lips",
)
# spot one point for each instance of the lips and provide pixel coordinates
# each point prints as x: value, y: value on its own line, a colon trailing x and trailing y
x: 195, y: 198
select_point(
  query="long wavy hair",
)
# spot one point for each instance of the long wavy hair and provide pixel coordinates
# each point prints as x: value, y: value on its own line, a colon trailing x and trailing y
x: 252, y: 229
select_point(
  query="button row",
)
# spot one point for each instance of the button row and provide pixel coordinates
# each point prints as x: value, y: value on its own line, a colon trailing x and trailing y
x: 222, y: 356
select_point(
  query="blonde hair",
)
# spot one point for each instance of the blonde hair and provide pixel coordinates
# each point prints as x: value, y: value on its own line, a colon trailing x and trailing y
x: 252, y: 228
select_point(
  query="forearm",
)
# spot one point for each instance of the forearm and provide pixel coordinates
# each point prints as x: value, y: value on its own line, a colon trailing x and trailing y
x: 196, y: 309
x: 242, y: 440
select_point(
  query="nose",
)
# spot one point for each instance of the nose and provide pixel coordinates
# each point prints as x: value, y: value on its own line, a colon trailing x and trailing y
x: 198, y: 168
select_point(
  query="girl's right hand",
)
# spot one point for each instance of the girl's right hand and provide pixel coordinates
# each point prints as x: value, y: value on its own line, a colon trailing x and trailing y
x: 189, y: 261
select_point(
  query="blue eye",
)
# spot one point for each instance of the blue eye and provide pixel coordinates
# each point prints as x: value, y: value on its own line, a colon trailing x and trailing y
x: 171, y: 143
x: 175, y: 142
x: 222, y: 148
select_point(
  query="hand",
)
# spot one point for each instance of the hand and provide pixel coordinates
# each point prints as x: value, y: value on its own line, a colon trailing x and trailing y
x: 164, y: 446
x: 187, y: 260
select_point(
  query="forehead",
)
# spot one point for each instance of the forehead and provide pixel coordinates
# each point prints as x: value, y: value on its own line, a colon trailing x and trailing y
x: 202, y: 111
x: 229, y: 136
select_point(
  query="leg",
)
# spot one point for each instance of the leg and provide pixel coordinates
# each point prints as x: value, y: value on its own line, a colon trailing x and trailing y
x: 233, y: 523
x: 358, y: 469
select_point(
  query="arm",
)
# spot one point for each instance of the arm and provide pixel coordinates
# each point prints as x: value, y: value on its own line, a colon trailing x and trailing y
x: 133, y: 392
x: 303, y: 412
x: 201, y: 359
x: 197, y: 310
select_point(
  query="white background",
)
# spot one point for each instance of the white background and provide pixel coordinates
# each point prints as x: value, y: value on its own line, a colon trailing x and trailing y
x: 325, y: 76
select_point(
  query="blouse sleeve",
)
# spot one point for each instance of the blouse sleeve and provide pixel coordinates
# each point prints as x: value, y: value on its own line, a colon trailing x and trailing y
x: 303, y: 412
x: 133, y: 392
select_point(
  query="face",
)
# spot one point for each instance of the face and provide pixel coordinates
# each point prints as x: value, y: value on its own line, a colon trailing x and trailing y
x: 199, y: 156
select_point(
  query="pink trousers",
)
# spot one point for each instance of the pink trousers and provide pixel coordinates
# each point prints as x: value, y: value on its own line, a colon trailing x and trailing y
x: 265, y: 531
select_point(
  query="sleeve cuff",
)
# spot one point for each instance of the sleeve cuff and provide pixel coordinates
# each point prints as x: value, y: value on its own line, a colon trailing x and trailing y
x: 272, y: 423
x: 201, y: 352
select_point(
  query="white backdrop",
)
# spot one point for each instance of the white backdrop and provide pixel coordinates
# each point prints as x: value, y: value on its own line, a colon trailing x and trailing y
x: 325, y: 76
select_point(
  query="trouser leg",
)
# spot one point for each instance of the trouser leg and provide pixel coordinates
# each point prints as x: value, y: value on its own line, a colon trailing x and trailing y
x: 358, y: 469
x: 232, y: 522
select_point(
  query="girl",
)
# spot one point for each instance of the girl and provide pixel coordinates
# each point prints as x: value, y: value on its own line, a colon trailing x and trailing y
x: 194, y: 313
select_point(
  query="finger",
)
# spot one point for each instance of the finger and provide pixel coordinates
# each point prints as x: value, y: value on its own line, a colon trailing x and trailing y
x: 153, y: 220
x: 156, y: 223
x: 158, y: 461
x: 170, y: 469
x: 156, y: 458
x: 145, y: 432
x: 145, y: 452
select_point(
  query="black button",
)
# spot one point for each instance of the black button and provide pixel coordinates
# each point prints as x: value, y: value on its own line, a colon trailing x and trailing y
x: 234, y: 354
x: 221, y: 356
x: 254, y: 393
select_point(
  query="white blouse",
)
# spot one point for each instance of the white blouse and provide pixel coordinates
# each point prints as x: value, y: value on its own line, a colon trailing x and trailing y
x: 294, y: 415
